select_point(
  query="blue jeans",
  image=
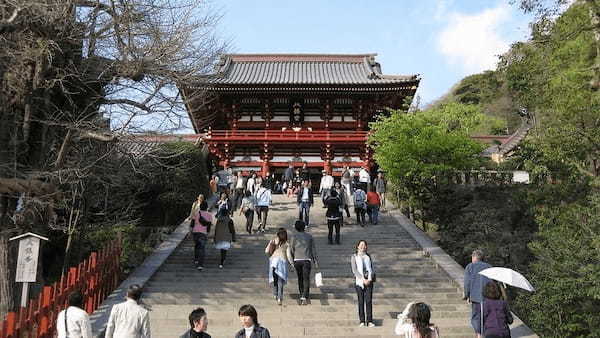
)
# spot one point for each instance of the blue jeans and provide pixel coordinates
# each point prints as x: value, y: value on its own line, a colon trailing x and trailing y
x: 303, y: 271
x: 199, y: 247
x: 277, y: 285
x: 476, y: 317
x: 304, y: 211
x: 373, y: 211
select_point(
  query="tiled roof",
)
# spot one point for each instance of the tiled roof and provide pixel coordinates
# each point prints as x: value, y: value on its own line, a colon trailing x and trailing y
x: 143, y: 145
x: 304, y: 69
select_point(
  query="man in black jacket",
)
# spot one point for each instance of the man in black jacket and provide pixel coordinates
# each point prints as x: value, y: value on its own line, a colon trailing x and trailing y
x: 198, y: 323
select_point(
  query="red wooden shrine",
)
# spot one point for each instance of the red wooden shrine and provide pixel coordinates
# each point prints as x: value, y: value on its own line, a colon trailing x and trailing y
x: 261, y: 111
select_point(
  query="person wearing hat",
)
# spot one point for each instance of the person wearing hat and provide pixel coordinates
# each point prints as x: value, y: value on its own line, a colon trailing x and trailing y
x: 326, y: 185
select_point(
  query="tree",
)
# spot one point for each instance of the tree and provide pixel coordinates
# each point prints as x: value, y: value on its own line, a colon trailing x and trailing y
x: 550, y: 77
x: 76, y: 76
x: 546, y: 10
x: 567, y: 271
x: 417, y: 147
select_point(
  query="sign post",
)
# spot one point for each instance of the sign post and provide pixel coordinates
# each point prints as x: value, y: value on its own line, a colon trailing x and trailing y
x: 27, y: 261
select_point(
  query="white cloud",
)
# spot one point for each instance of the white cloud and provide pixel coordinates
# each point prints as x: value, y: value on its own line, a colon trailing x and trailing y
x: 473, y: 42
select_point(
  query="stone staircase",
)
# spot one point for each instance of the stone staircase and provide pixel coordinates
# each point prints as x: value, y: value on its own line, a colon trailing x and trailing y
x: 404, y: 274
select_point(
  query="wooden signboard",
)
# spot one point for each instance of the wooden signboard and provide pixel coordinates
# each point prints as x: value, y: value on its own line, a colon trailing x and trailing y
x: 27, y: 261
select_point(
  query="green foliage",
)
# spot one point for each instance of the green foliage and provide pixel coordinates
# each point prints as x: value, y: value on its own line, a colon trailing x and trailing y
x: 414, y: 148
x: 551, y: 76
x: 554, y: 223
x: 487, y: 91
x: 140, y: 204
x: 177, y: 176
x: 567, y: 271
x: 136, y: 245
x: 497, y: 219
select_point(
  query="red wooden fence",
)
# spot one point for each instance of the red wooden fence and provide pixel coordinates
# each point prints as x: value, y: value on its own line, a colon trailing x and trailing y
x: 96, y: 277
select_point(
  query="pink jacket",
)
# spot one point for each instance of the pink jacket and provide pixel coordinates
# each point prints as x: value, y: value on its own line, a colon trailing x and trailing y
x: 198, y: 226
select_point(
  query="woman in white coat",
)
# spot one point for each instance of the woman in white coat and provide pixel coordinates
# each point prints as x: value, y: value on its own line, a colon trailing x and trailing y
x: 364, y: 277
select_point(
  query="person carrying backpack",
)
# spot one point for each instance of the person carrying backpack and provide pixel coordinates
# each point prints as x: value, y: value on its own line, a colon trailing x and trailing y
x: 360, y: 205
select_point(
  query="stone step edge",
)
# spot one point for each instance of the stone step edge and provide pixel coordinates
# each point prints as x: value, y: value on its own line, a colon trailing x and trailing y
x: 446, y: 263
x: 141, y: 275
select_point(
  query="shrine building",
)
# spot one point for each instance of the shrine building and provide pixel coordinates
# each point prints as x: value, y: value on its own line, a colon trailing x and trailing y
x: 261, y: 111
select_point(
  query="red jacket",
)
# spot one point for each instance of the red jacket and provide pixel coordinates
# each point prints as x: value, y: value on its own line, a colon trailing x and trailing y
x: 373, y: 198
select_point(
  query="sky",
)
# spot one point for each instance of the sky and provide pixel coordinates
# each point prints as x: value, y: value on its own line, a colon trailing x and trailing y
x: 442, y: 40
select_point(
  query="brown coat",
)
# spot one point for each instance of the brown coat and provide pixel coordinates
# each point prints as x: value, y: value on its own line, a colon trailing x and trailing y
x: 224, y: 230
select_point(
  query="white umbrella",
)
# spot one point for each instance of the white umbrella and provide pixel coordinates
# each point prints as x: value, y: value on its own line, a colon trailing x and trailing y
x: 507, y: 276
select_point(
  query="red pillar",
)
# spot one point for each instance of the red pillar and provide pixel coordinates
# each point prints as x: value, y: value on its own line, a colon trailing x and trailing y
x: 265, y: 167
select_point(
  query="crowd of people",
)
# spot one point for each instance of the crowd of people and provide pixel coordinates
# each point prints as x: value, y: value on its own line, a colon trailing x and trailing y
x: 252, y: 195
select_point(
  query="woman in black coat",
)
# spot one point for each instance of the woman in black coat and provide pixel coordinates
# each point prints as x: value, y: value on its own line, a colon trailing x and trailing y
x: 334, y: 215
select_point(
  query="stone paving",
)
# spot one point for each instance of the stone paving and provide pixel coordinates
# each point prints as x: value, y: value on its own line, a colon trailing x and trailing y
x: 404, y: 274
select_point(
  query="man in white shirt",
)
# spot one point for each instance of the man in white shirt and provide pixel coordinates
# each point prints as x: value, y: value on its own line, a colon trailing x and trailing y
x: 238, y: 193
x: 129, y: 319
x: 73, y: 322
x: 364, y: 178
x: 326, y: 185
x: 263, y: 201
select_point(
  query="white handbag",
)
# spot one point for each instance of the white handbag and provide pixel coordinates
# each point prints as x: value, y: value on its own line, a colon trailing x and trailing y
x: 319, y: 279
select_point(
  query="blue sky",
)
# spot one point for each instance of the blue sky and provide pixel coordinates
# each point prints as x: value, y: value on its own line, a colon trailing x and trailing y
x: 443, y: 40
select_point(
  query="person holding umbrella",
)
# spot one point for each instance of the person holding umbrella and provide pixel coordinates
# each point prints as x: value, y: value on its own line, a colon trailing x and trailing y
x: 474, y: 283
x: 496, y: 315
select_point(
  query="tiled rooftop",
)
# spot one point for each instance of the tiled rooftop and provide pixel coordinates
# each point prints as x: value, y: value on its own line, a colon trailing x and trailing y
x: 304, y: 69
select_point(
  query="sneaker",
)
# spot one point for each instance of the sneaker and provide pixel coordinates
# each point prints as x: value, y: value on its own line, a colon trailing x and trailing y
x: 303, y: 301
x: 220, y: 266
x: 371, y: 324
x: 200, y: 268
x: 361, y: 325
x: 278, y: 301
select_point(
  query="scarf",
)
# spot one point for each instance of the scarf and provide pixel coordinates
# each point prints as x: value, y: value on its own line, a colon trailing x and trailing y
x: 363, y: 265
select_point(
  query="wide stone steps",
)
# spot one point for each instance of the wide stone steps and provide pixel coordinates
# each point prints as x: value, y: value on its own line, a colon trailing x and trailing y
x: 403, y: 275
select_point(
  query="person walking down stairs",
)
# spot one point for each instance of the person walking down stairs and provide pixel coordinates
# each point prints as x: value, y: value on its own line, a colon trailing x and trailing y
x: 224, y: 234
x: 305, y: 200
x: 263, y: 201
x: 224, y: 204
x: 341, y: 191
x: 250, y: 326
x: 277, y: 249
x: 248, y: 204
x: 325, y: 186
x: 303, y: 252
x: 200, y: 227
x: 364, y: 277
